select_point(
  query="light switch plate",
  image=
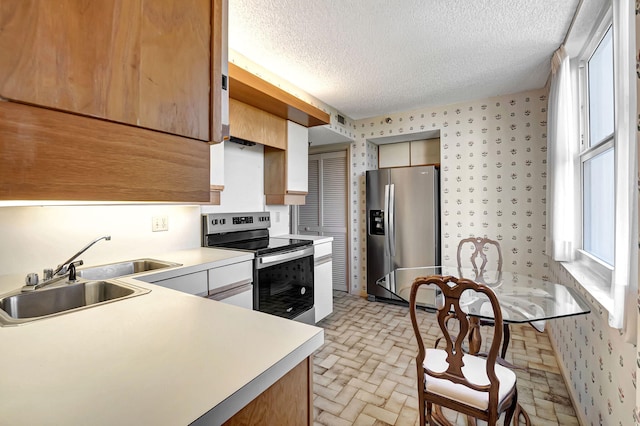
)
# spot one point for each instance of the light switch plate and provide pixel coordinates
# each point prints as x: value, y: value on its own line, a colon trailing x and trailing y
x: 160, y: 223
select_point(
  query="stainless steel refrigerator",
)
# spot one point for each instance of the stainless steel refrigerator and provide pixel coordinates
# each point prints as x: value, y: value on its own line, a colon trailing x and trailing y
x: 403, y: 222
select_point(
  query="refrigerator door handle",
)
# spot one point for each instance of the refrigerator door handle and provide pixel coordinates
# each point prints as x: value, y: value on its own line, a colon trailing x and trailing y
x: 386, y: 220
x: 392, y: 220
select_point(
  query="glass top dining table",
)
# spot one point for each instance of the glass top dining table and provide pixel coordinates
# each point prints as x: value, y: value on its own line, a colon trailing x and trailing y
x: 522, y: 299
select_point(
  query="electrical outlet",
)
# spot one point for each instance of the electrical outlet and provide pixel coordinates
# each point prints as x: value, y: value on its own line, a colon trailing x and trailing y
x: 160, y: 223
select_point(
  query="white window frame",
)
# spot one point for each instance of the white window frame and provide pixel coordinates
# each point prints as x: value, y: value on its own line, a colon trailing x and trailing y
x: 615, y: 289
x: 601, y: 280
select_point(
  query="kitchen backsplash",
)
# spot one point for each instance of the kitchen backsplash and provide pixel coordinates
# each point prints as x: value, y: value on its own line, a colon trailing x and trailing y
x: 37, y: 237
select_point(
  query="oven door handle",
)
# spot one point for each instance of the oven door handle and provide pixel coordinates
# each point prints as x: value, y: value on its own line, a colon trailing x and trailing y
x: 269, y: 260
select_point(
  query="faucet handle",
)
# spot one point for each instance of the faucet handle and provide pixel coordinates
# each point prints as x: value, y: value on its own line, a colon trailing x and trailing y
x: 31, y: 279
x: 48, y: 273
x: 72, y: 270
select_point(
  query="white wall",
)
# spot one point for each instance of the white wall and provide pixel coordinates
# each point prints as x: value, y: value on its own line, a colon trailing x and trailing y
x: 36, y: 237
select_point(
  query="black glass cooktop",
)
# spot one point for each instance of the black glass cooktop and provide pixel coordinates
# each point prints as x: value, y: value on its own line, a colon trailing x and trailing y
x: 258, y: 242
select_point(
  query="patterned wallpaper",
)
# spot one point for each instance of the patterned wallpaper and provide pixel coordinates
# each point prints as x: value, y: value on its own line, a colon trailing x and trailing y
x: 598, y: 364
x: 493, y: 176
x: 493, y: 183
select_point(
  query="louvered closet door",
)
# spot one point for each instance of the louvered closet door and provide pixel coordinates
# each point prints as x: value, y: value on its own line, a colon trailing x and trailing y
x: 325, y: 210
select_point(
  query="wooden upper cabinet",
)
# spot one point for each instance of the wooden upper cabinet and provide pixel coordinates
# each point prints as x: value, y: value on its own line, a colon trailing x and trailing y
x: 145, y: 63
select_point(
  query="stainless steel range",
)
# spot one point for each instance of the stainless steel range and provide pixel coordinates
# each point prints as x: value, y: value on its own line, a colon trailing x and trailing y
x: 283, y: 267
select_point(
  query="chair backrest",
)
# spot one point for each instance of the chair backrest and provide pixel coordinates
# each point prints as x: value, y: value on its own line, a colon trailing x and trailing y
x: 479, y: 249
x: 452, y: 289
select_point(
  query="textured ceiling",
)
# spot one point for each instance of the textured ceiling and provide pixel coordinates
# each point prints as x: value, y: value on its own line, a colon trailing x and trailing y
x: 372, y: 57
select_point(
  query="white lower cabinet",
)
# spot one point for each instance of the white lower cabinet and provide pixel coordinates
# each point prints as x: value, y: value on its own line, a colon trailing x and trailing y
x: 323, y: 280
x: 243, y: 299
x: 231, y: 284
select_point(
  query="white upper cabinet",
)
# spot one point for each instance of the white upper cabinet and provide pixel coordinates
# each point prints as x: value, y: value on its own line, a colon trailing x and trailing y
x: 394, y: 155
x: 414, y: 153
x: 297, y: 157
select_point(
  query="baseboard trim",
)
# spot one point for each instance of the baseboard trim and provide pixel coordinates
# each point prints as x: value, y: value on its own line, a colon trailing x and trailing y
x: 565, y: 375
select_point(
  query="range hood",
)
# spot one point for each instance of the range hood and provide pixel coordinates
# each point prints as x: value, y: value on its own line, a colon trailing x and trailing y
x: 241, y: 141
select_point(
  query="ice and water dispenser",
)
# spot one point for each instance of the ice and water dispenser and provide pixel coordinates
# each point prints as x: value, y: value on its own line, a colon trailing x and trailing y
x: 376, y: 222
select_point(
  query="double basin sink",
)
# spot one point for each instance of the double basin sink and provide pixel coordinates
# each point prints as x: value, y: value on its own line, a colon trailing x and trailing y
x: 95, y: 286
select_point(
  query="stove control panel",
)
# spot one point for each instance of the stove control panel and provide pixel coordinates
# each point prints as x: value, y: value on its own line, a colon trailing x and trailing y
x: 240, y: 220
x: 213, y: 223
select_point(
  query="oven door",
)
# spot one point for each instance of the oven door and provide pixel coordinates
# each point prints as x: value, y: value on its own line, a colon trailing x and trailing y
x: 283, y: 283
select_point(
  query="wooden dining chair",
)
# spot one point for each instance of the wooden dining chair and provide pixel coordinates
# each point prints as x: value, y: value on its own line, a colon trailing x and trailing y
x: 487, y: 252
x: 480, y: 249
x: 476, y: 386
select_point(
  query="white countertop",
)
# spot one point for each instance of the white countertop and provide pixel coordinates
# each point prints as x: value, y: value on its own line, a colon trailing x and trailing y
x: 164, y: 357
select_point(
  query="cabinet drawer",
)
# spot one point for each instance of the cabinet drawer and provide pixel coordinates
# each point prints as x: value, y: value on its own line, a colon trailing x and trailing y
x: 195, y: 283
x: 322, y: 250
x: 230, y: 274
x: 243, y: 299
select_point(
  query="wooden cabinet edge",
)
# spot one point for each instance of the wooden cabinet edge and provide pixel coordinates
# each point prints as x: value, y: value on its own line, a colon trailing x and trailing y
x: 251, y: 89
x: 215, y: 191
x: 282, y: 403
x: 52, y: 155
x: 285, y: 199
x: 219, y: 130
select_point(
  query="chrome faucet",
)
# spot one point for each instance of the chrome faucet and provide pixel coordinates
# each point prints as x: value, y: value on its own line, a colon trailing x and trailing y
x: 65, y: 268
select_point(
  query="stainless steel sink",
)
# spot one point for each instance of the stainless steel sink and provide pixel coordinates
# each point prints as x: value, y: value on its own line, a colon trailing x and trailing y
x: 18, y: 307
x: 120, y: 269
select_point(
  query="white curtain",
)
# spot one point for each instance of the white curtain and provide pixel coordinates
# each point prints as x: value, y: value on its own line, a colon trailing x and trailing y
x: 562, y: 153
x: 624, y: 290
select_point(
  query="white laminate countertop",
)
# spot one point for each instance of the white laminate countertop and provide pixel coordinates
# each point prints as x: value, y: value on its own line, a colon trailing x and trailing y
x: 164, y: 357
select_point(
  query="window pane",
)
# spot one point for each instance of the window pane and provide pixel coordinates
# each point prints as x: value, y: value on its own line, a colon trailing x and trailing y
x: 601, y: 91
x: 598, y: 206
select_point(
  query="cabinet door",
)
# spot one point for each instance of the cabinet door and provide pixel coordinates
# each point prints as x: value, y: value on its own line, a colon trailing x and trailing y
x: 297, y: 157
x: 323, y: 280
x: 322, y: 289
x: 426, y: 151
x: 141, y: 62
x: 394, y: 155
